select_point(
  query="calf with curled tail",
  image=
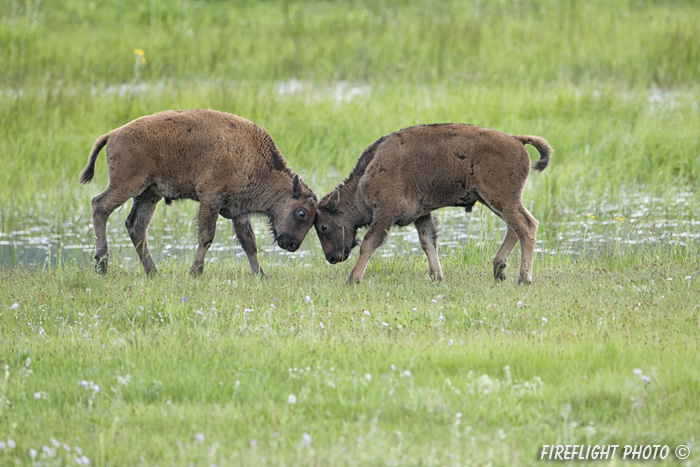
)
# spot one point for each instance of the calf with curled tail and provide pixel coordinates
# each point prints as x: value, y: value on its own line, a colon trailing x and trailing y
x: 227, y: 163
x: 404, y: 176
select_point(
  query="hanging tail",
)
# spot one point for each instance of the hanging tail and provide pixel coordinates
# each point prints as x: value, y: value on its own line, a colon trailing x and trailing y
x: 89, y: 170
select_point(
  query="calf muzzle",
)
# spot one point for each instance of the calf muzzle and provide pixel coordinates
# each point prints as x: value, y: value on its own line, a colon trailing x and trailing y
x: 338, y: 256
x: 287, y: 242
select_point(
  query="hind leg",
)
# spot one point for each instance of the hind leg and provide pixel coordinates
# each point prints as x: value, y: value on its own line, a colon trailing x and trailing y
x: 102, y: 207
x: 137, y: 224
x: 524, y: 225
x: 499, y: 262
x: 427, y: 233
x: 206, y: 219
x: 246, y: 237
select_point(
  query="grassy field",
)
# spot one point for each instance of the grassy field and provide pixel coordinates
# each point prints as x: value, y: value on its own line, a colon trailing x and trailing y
x: 297, y: 369
x: 300, y: 369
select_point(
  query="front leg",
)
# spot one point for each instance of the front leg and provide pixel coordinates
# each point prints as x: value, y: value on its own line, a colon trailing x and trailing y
x: 246, y: 237
x: 375, y: 236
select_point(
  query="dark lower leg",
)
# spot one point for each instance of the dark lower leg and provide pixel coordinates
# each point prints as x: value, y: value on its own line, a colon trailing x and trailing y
x: 137, y: 225
x: 207, y: 217
x: 499, y: 262
x: 373, y: 239
x: 427, y: 234
x: 246, y: 237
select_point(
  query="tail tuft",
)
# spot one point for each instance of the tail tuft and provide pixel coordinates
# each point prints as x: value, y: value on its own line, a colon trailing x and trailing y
x: 89, y: 170
x: 542, y: 147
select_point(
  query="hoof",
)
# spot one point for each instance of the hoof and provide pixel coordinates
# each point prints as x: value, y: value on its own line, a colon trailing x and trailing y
x: 196, y: 272
x: 101, y: 266
x: 499, y: 272
x: 260, y: 273
x: 353, y: 280
x: 435, y: 277
x: 525, y: 281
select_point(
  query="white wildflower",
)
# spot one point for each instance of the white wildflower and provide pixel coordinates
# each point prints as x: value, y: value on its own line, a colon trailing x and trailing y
x: 306, y: 438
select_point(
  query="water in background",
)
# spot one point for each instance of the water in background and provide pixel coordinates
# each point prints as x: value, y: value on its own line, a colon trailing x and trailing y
x: 630, y: 221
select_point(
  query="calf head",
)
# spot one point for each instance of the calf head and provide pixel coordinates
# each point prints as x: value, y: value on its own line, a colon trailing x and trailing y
x: 293, y: 216
x: 335, y: 229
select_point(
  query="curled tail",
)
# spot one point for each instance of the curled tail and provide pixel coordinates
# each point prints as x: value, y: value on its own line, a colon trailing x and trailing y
x: 89, y: 170
x: 542, y: 147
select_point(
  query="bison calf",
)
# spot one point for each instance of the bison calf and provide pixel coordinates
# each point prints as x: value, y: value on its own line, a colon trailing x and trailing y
x: 404, y: 176
x: 227, y: 163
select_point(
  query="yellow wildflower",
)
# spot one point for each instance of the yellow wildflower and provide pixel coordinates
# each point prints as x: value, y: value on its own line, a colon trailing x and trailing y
x: 141, y: 54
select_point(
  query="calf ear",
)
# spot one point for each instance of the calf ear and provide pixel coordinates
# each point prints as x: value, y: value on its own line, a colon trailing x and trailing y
x: 296, y: 187
x: 333, y: 201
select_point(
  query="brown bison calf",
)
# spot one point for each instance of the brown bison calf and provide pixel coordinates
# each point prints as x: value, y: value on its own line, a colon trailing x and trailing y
x: 402, y: 177
x: 227, y: 163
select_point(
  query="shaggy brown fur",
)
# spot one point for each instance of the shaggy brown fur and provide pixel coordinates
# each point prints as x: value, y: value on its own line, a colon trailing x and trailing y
x: 404, y: 176
x: 227, y: 163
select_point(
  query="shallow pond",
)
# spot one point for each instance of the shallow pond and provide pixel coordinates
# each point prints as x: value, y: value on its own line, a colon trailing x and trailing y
x: 628, y: 222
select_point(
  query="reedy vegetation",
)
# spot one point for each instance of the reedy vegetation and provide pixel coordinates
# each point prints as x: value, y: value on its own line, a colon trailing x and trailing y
x: 613, y: 86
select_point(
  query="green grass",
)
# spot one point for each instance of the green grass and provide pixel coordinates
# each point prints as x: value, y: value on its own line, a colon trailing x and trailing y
x: 398, y: 370
x: 395, y: 370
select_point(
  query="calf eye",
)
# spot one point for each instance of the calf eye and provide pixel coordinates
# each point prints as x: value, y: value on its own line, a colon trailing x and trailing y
x: 324, y: 227
x: 301, y: 214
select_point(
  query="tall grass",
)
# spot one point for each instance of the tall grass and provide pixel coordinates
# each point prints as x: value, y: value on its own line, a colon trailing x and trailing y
x: 616, y: 139
x: 623, y: 42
